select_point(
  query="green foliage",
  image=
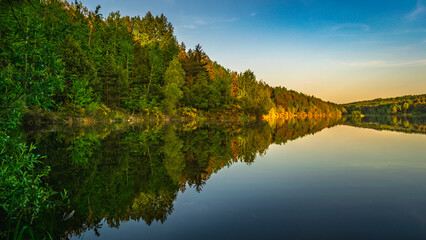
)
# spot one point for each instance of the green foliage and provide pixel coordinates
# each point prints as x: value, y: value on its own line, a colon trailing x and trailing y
x: 199, y: 92
x: 23, y: 192
x: 174, y: 78
x: 356, y: 114
x: 410, y: 104
x: 81, y: 94
x: 255, y: 96
x: 60, y: 53
x: 138, y: 102
x: 31, y: 74
x: 31, y: 71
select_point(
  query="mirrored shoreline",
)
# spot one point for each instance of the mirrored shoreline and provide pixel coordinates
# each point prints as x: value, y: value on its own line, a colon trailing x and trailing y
x: 118, y: 173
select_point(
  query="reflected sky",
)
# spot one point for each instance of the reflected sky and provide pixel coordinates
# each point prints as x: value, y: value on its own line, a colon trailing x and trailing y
x: 341, y: 183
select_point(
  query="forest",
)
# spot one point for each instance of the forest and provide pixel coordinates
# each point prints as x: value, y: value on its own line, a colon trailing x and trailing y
x: 62, y: 58
x: 405, y: 105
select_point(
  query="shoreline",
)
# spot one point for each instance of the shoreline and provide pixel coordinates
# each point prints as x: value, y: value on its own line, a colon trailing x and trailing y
x: 38, y: 117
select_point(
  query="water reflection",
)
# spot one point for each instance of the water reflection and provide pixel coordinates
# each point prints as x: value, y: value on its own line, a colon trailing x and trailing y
x: 118, y: 173
x: 405, y: 124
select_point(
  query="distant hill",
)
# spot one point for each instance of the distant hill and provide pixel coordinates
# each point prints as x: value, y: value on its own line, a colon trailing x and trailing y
x: 409, y: 104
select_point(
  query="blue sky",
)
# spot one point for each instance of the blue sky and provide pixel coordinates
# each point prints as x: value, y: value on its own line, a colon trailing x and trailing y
x: 337, y: 50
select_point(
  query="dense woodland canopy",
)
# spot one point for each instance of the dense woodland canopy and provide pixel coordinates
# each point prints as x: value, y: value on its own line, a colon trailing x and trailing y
x: 64, y: 57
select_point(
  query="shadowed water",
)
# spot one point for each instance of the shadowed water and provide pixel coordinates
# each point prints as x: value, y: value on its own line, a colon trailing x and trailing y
x: 227, y: 181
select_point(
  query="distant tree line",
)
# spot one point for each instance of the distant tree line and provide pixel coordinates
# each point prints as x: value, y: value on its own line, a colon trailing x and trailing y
x: 410, y: 104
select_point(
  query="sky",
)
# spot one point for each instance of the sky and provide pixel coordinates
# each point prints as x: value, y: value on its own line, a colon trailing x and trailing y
x: 340, y: 51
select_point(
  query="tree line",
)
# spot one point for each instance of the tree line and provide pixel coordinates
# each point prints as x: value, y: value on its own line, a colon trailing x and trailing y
x: 64, y: 57
x: 409, y: 104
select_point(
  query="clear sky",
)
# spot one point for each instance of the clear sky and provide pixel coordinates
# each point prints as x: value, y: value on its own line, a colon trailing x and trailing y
x: 340, y: 51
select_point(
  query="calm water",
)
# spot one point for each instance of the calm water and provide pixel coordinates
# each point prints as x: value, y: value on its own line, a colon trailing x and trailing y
x: 297, y: 179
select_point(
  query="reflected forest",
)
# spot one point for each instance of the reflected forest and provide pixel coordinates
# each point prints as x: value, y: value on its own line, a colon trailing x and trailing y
x: 136, y: 172
x: 108, y: 118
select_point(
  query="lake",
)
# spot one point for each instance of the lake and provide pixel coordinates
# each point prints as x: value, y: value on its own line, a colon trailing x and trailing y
x: 324, y: 178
